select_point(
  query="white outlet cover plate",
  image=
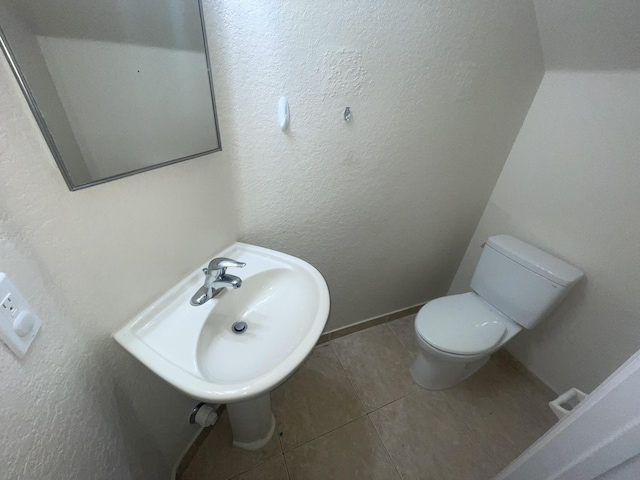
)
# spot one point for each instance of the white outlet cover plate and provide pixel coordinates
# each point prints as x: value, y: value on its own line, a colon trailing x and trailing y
x: 18, y: 344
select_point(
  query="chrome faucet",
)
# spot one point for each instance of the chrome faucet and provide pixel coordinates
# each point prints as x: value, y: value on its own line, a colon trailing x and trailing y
x: 216, y: 280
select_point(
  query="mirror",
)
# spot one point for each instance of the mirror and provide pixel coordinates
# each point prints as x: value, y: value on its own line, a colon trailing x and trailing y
x: 117, y: 87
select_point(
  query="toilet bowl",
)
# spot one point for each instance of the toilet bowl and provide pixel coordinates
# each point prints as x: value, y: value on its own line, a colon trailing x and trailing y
x: 515, y: 286
x: 457, y: 335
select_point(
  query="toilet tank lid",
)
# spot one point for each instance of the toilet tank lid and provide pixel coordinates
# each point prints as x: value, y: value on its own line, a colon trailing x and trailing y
x: 542, y: 263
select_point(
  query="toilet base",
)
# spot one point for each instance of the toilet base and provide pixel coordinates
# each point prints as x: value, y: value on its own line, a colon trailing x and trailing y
x: 437, y: 374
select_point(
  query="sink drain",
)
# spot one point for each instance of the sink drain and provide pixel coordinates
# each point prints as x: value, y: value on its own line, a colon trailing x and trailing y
x: 239, y: 327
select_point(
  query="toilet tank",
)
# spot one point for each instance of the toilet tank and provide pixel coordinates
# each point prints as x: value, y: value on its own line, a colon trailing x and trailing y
x: 522, y: 281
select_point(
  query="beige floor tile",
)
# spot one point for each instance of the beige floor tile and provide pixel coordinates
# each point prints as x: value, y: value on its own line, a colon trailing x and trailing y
x: 427, y: 440
x: 315, y: 400
x: 404, y: 329
x: 377, y: 364
x: 353, y: 451
x: 467, y: 432
x: 505, y: 409
x: 274, y: 469
x: 504, y: 359
x: 218, y: 459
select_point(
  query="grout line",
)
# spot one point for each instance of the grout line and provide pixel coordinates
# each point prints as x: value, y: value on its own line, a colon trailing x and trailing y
x: 479, y: 439
x: 384, y: 445
x: 286, y: 466
x: 398, y: 338
x: 351, y: 381
x: 259, y: 465
x: 476, y: 436
x: 326, y: 433
x: 364, y: 409
x: 411, y: 352
x: 277, y: 431
x: 252, y: 467
x: 472, y: 433
x: 394, y: 401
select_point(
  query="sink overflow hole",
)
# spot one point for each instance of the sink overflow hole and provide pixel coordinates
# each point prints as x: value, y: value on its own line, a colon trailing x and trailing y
x: 239, y: 327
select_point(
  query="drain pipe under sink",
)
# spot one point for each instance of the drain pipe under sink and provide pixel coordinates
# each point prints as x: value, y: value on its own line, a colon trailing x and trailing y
x: 205, y: 414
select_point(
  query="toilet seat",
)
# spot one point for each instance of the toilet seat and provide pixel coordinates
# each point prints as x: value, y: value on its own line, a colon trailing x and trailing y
x: 460, y: 324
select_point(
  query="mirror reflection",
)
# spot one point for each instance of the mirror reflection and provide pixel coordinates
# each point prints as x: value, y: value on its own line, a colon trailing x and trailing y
x: 116, y: 87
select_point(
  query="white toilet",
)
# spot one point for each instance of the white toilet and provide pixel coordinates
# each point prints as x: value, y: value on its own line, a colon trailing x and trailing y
x: 515, y: 286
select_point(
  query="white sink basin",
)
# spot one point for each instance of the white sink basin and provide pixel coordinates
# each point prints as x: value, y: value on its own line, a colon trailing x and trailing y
x: 283, y: 300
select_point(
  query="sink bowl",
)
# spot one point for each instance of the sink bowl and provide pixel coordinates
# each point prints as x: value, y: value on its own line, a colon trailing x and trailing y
x: 284, y: 302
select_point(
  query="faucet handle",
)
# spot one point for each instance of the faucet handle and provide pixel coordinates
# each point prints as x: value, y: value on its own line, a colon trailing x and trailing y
x: 222, y: 263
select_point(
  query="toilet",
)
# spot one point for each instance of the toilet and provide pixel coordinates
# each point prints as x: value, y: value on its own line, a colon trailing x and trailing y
x: 515, y: 285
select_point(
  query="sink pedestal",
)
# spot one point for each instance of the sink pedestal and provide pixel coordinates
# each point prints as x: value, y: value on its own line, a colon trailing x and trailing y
x: 252, y: 422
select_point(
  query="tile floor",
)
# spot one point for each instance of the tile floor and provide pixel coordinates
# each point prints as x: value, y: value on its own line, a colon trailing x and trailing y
x: 352, y: 411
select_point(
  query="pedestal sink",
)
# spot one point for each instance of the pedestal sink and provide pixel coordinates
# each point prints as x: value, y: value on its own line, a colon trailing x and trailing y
x: 284, y: 303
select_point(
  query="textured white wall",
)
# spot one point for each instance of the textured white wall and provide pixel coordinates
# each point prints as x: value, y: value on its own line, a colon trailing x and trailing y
x: 59, y: 416
x: 77, y: 406
x: 383, y: 206
x: 589, y: 34
x: 570, y: 186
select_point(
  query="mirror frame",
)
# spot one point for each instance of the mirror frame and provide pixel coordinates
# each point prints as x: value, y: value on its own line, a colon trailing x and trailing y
x: 24, y: 86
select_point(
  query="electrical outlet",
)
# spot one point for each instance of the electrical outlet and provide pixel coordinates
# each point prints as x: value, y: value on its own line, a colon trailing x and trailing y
x: 18, y: 324
x: 8, y: 306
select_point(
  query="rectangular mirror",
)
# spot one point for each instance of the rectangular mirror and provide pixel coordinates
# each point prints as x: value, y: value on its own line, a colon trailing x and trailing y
x: 117, y: 87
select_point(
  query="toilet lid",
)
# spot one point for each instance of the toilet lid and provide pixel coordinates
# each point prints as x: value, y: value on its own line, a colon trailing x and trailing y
x: 461, y: 324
